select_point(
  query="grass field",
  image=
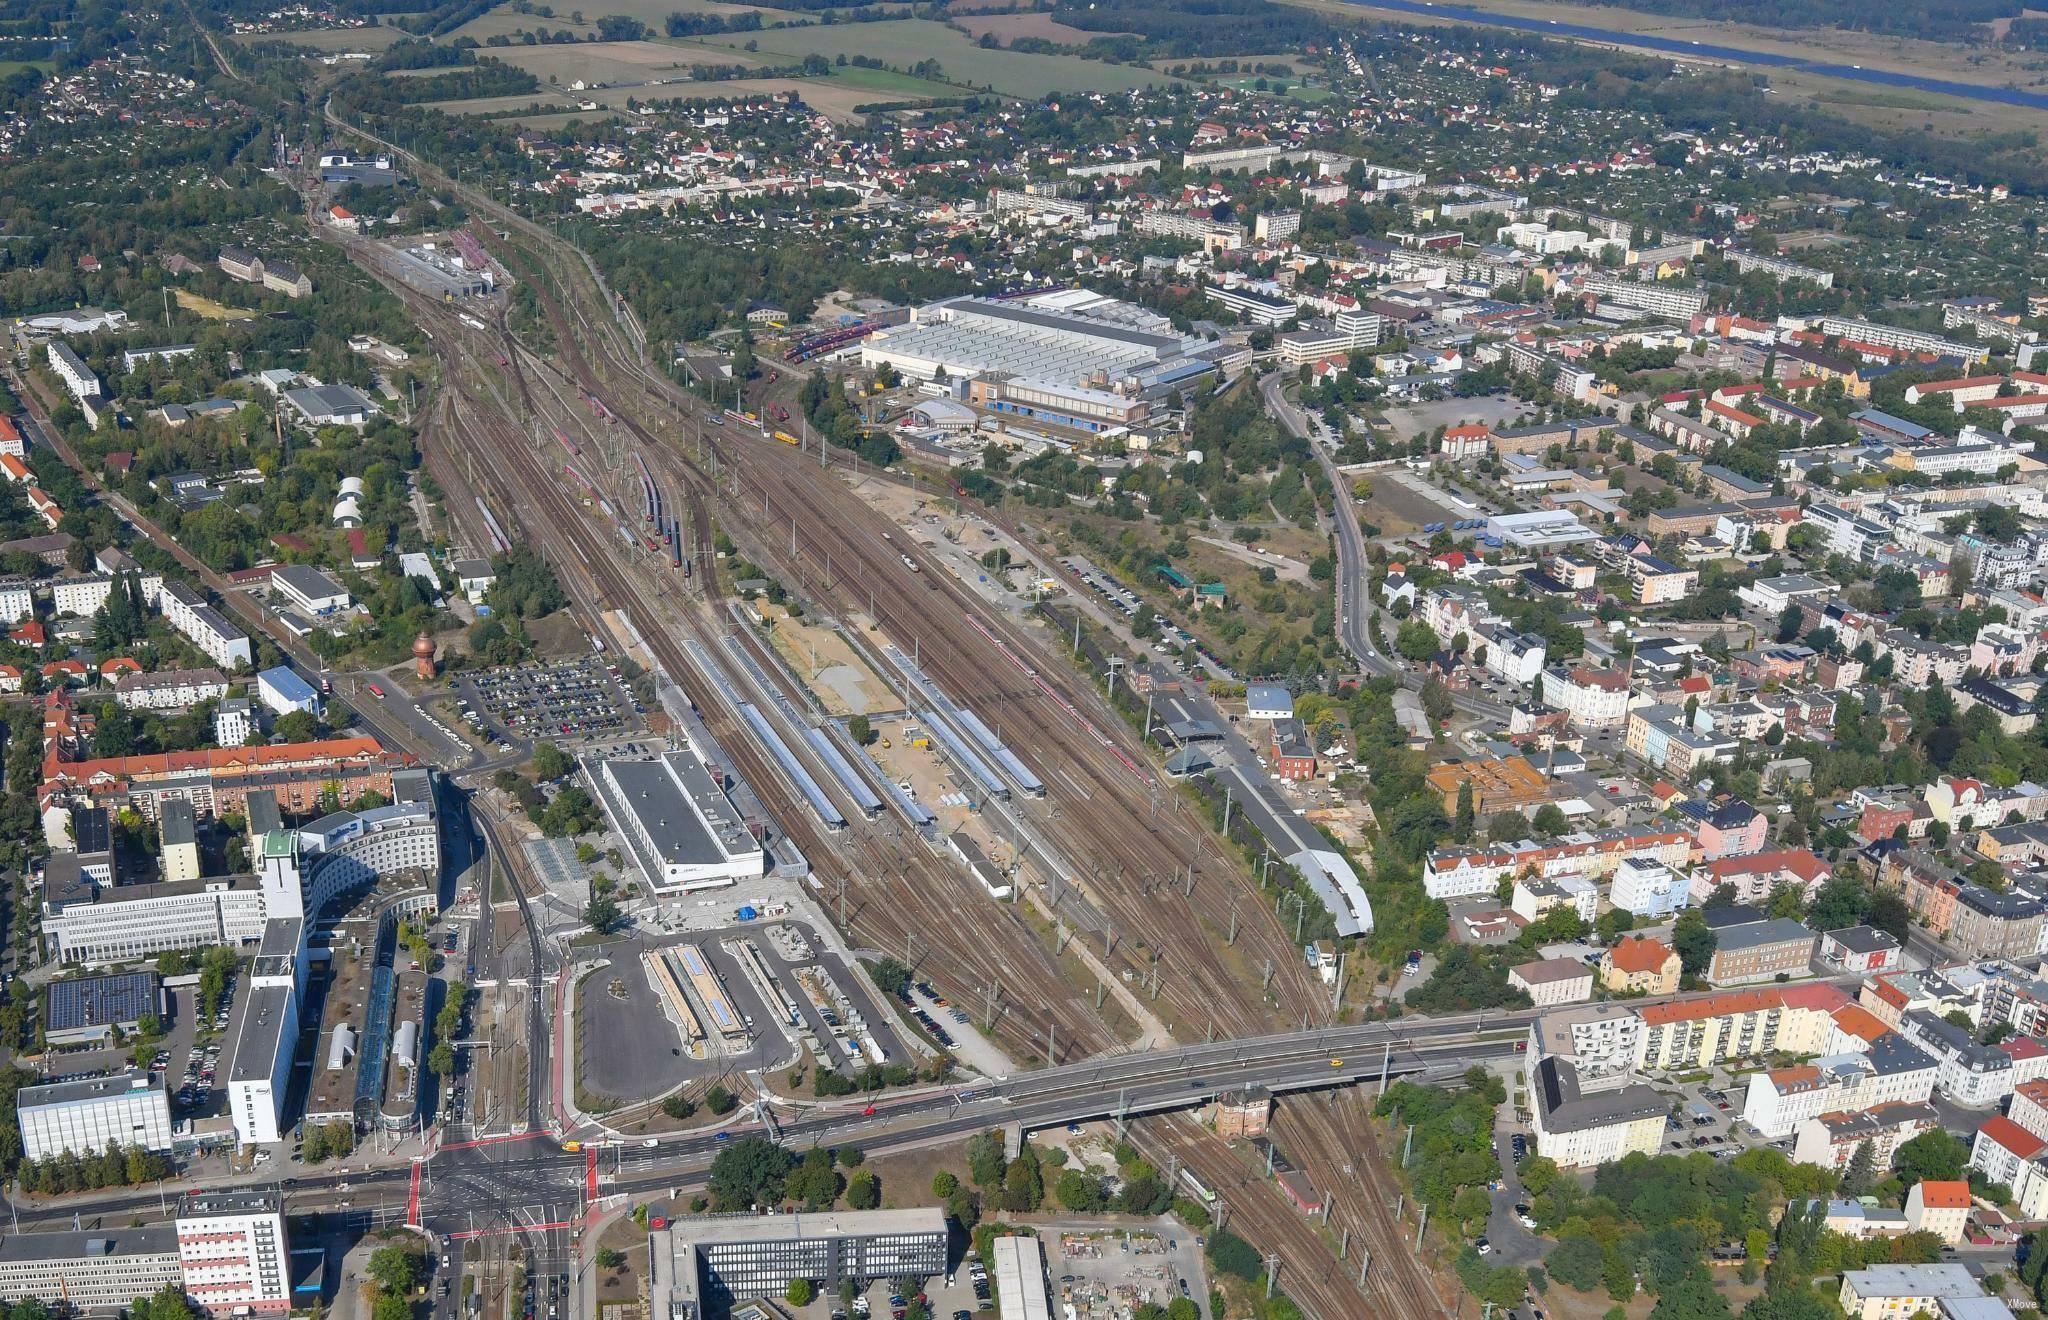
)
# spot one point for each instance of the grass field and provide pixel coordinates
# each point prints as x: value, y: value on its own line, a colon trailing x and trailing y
x: 556, y: 122
x: 1008, y: 27
x: 503, y: 20
x: 905, y: 42
x: 619, y: 63
x: 835, y: 96
x: 533, y: 102
x: 330, y: 39
x: 200, y: 305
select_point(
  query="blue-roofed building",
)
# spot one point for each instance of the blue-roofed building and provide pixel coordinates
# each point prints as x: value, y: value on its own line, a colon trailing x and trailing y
x: 1883, y: 427
x: 283, y: 691
x: 1268, y: 701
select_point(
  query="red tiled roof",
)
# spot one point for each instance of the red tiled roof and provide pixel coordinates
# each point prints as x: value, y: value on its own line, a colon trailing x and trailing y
x: 1945, y: 1194
x: 1640, y: 954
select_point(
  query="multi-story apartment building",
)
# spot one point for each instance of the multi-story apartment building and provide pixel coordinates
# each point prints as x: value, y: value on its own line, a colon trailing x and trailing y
x: 1893, y: 1292
x: 1583, y: 1129
x: 1971, y: 1073
x: 1462, y: 872
x: 1601, y: 1041
x: 170, y: 689
x: 1741, y: 1024
x: 1908, y: 341
x: 204, y: 626
x: 1590, y: 698
x: 1831, y: 1140
x: 1894, y: 1071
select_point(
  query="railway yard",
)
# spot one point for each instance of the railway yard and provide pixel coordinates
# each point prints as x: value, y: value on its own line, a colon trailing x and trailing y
x: 1125, y: 926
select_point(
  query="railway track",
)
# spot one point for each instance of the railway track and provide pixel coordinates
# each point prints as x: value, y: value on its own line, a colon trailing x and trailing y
x: 901, y: 892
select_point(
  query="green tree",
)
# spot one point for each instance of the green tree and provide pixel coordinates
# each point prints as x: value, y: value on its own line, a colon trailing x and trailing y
x: 864, y: 1190
x: 890, y: 976
x: 297, y: 726
x: 1415, y: 641
x: 1694, y: 940
x: 1079, y: 1192
x: 719, y: 1100
x: 800, y: 1292
x: 860, y: 730
x: 748, y: 1173
x: 1933, y: 1155
x: 396, y: 1269
x: 1577, y: 1262
x: 551, y: 762
x: 602, y: 913
x: 1234, y: 1256
x: 943, y: 1184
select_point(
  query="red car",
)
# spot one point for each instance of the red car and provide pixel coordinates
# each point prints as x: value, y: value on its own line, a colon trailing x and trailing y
x: 869, y: 1112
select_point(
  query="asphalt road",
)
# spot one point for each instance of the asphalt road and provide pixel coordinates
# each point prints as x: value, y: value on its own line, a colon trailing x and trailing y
x: 1355, y: 607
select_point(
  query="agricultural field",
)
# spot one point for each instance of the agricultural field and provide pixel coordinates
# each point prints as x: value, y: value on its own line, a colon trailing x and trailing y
x: 505, y: 21
x: 555, y: 123
x: 618, y: 64
x: 505, y: 106
x: 329, y: 39
x: 835, y: 96
x: 1009, y: 27
x: 904, y: 43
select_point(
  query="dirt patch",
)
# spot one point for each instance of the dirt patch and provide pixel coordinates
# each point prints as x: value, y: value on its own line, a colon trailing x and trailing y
x: 201, y: 305
x: 827, y: 664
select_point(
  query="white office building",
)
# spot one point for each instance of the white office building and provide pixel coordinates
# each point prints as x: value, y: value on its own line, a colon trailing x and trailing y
x: 682, y: 829
x: 85, y: 1117
x: 309, y: 589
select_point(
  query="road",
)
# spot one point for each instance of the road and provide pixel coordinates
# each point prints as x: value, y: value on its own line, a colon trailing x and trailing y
x: 506, y: 1173
x: 1355, y: 606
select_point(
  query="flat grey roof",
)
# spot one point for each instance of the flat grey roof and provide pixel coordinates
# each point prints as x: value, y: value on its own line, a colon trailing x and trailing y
x: 175, y: 818
x: 147, y: 1240
x: 1066, y: 322
x: 89, y: 1088
x: 265, y: 1009
x: 646, y: 789
x: 801, y: 1225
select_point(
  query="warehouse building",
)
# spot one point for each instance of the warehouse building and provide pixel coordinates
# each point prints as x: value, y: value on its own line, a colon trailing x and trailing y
x: 1055, y: 355
x: 85, y: 1117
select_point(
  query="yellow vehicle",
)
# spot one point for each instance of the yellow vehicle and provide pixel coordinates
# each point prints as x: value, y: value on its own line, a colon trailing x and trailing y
x: 885, y: 744
x: 572, y: 1146
x: 785, y: 437
x: 1336, y: 1063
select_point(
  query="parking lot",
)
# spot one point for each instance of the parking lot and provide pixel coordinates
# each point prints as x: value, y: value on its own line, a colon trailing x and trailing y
x: 574, y: 701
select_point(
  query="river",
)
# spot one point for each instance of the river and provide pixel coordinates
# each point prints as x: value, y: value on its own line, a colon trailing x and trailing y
x: 1703, y: 50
